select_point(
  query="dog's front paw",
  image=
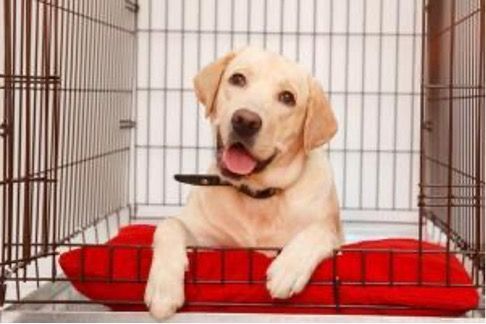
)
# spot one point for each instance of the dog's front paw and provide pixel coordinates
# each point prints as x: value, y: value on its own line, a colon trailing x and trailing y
x: 164, y: 293
x: 291, y: 270
x: 287, y: 276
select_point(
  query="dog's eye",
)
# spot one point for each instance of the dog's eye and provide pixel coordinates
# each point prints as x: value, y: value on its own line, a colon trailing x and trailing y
x: 238, y: 80
x: 287, y: 98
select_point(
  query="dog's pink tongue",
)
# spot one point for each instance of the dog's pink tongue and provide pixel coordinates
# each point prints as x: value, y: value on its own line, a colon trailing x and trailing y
x: 237, y: 160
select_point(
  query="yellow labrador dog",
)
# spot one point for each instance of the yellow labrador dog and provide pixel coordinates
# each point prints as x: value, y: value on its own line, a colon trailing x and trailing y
x: 270, y: 118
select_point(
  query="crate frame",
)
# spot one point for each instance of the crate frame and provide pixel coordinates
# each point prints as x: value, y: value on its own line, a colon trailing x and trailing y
x: 32, y: 182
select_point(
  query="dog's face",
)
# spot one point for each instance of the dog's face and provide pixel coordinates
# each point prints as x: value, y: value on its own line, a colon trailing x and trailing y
x: 263, y: 107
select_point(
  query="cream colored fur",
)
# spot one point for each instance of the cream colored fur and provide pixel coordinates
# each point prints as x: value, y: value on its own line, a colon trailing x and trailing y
x: 303, y: 219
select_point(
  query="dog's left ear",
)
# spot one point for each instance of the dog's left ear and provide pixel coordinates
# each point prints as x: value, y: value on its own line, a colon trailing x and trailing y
x: 206, y: 82
x: 320, y: 123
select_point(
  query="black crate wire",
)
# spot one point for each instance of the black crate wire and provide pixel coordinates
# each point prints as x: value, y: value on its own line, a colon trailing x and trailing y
x: 98, y: 114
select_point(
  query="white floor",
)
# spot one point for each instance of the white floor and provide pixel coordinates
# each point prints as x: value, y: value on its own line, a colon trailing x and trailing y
x: 130, y: 317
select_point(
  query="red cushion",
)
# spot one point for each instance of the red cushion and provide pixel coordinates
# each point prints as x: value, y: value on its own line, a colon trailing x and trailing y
x: 115, y: 273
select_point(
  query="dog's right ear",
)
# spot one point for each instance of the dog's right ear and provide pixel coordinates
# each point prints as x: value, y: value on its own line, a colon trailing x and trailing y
x: 206, y: 82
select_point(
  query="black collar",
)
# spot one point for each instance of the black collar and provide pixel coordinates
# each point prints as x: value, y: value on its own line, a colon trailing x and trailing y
x: 214, y: 180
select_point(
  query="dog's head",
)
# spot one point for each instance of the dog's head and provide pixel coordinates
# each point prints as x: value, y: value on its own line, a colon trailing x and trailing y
x: 266, y: 111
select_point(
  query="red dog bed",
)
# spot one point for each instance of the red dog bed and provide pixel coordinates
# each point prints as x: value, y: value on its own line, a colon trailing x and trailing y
x: 354, y: 282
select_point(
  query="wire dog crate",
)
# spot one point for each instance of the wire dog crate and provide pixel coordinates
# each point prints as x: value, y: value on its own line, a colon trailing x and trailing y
x: 98, y: 113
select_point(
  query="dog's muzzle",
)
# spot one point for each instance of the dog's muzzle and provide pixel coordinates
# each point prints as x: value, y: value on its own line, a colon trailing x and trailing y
x: 227, y: 160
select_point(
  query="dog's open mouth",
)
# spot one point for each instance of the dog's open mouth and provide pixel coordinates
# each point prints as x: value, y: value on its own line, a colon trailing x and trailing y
x: 236, y: 161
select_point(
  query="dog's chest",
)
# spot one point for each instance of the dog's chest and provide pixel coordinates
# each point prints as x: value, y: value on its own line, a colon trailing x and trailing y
x: 230, y: 220
x: 272, y: 222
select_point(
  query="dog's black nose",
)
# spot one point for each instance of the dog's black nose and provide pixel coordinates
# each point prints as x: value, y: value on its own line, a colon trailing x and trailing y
x: 246, y: 123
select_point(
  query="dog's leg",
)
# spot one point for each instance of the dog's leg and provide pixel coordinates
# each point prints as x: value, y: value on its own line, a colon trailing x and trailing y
x: 164, y: 292
x: 291, y: 270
